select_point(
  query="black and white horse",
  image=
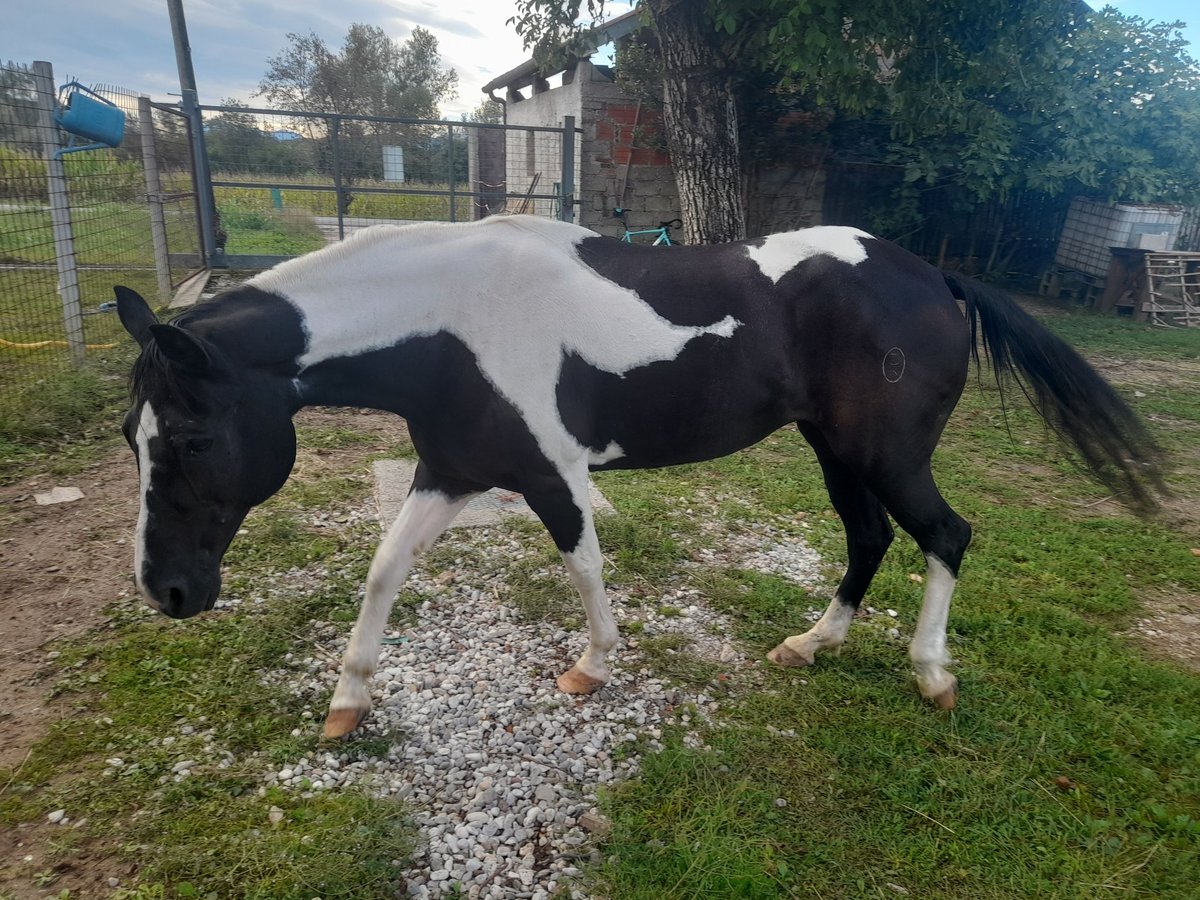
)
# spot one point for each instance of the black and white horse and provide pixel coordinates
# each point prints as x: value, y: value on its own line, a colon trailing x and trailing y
x: 525, y: 352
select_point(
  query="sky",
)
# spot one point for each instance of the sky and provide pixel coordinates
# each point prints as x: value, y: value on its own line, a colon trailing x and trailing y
x: 128, y: 42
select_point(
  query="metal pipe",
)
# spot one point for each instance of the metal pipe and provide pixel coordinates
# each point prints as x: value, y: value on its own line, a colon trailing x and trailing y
x: 450, y: 165
x: 190, y: 105
x: 567, y: 181
x: 335, y: 145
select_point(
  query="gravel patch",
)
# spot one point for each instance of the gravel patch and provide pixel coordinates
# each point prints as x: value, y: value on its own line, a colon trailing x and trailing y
x: 499, y: 767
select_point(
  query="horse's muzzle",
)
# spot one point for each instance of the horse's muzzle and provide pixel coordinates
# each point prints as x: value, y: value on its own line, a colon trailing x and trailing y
x: 177, y: 599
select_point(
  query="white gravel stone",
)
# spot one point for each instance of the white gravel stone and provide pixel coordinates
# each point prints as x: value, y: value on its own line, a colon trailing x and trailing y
x: 500, y: 768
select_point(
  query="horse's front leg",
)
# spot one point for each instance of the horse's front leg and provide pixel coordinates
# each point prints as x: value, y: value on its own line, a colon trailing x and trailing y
x: 585, y: 565
x: 567, y: 515
x: 426, y: 513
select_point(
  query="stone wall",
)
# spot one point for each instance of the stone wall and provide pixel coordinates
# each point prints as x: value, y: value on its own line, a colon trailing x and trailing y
x: 784, y: 198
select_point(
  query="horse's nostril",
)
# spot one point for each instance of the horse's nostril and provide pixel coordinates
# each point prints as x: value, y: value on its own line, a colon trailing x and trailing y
x: 175, y: 598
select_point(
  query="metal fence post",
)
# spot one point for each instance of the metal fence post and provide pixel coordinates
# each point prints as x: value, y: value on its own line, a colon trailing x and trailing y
x: 335, y: 144
x: 567, y: 212
x: 60, y: 211
x: 158, y: 223
x: 450, y: 164
x: 190, y: 105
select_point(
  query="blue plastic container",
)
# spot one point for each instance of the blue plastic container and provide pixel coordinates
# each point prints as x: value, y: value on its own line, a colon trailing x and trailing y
x: 90, y: 117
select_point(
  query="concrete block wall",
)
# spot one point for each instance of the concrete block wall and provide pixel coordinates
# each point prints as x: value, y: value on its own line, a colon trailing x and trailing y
x: 620, y: 163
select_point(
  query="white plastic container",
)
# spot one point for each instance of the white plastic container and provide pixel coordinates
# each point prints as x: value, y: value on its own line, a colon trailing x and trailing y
x: 1092, y: 228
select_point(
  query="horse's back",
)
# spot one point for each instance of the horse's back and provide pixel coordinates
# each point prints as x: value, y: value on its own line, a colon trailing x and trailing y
x: 833, y: 327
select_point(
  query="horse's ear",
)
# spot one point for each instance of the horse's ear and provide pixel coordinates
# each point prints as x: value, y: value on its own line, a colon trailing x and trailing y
x: 135, y: 314
x: 182, y: 348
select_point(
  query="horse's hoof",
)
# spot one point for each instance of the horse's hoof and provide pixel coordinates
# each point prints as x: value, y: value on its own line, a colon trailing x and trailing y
x: 783, y: 655
x: 340, y: 722
x: 947, y: 699
x: 941, y: 690
x: 573, y: 681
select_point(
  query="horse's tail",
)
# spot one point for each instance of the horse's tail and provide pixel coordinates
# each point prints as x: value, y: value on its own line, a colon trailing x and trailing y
x: 1069, y: 394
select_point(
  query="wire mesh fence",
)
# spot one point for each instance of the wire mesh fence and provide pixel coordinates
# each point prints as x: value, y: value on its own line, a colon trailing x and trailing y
x: 74, y: 226
x: 288, y: 182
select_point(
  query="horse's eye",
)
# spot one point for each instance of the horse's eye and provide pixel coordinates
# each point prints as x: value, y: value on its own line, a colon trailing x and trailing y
x: 196, y: 446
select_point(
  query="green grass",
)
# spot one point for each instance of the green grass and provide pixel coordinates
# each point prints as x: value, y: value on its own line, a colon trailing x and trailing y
x: 1072, y: 765
x: 295, y: 197
x: 252, y: 230
x: 65, y: 419
x: 110, y: 234
x: 210, y: 834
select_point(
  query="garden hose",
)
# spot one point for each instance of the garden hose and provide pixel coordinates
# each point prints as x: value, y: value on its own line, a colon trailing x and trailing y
x: 38, y: 345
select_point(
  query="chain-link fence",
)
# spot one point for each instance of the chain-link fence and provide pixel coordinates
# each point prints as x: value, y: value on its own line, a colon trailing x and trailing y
x: 286, y: 182
x: 74, y: 224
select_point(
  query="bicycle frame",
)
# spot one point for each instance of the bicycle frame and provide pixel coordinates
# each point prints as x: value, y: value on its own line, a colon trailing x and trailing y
x: 662, y: 232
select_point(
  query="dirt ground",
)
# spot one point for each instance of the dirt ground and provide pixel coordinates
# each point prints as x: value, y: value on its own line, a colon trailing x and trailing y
x: 61, y: 566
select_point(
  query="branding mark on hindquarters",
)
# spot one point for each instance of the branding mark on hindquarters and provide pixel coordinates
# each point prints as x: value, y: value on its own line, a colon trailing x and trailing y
x: 893, y: 365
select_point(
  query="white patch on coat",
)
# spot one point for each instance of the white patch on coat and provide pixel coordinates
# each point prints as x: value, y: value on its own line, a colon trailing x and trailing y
x: 928, y: 649
x: 780, y: 253
x: 585, y: 565
x: 611, y: 452
x: 147, y: 428
x: 511, y: 288
x: 828, y: 634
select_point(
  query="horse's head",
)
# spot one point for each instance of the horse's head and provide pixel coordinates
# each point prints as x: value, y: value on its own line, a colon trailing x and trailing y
x: 211, y: 442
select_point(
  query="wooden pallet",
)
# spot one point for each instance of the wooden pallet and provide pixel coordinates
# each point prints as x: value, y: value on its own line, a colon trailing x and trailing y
x: 1171, y: 289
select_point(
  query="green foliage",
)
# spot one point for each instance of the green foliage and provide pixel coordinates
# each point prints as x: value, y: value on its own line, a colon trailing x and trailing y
x: 371, y: 75
x: 490, y: 112
x: 987, y: 98
x: 236, y: 141
x: 98, y: 176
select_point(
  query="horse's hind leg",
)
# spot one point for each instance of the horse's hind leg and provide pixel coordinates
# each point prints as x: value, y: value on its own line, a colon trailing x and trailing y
x: 916, y: 504
x: 567, y: 514
x: 868, y: 536
x: 429, y: 508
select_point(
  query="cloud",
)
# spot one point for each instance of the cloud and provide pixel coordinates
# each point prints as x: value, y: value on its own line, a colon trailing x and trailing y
x: 431, y: 17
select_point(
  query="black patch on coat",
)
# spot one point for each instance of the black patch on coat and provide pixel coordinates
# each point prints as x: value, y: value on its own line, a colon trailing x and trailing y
x: 468, y: 435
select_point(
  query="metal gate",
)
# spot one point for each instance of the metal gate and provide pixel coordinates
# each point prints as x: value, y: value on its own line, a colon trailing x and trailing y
x: 284, y: 183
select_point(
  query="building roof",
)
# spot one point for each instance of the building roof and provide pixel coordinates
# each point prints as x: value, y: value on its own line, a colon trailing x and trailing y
x: 527, y: 72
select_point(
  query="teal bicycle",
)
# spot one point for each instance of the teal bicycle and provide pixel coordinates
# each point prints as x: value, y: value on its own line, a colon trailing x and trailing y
x: 662, y: 232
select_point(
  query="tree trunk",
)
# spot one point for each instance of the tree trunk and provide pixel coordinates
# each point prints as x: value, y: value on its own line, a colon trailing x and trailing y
x: 700, y: 121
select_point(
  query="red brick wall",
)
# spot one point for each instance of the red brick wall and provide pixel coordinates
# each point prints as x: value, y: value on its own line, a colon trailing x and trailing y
x: 623, y: 131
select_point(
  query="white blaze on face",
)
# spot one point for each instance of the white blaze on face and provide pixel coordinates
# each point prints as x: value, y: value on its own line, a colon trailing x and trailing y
x: 147, y: 428
x: 780, y: 253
